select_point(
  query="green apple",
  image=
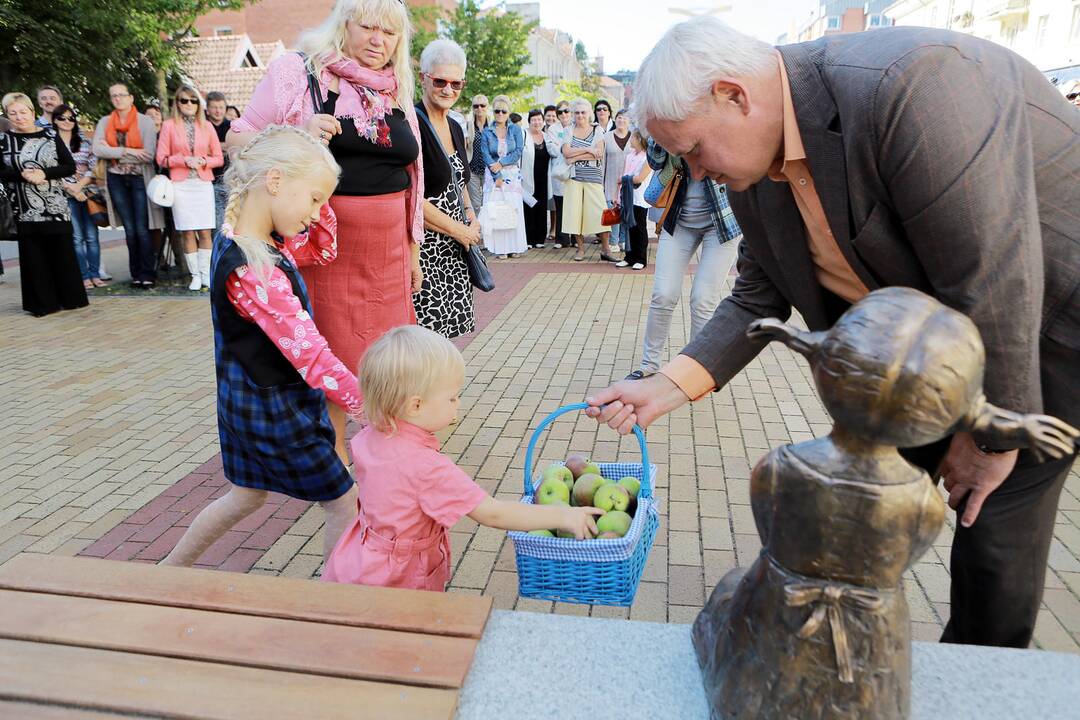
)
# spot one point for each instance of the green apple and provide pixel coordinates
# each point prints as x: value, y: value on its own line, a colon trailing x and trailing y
x: 608, y: 536
x: 560, y: 472
x: 611, y: 497
x: 542, y: 533
x: 566, y: 534
x: 591, y: 468
x: 585, y: 488
x: 632, y: 486
x: 615, y: 521
x: 552, y: 491
x: 576, y: 464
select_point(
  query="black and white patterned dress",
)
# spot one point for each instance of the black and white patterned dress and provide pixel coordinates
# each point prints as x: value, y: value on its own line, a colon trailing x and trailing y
x: 445, y: 301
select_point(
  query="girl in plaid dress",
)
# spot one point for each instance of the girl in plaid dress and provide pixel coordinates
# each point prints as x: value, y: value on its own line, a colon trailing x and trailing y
x: 274, y: 369
x: 409, y: 493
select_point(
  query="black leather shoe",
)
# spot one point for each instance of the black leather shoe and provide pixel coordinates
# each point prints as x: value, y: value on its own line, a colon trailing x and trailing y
x: 636, y: 375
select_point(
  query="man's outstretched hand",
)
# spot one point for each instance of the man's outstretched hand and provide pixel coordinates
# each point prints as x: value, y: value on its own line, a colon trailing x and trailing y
x: 635, y: 401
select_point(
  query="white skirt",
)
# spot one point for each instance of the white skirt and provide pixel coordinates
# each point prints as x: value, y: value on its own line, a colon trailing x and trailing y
x: 504, y: 242
x: 193, y: 204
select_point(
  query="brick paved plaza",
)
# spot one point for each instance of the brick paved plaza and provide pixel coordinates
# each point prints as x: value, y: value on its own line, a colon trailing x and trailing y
x: 110, y: 446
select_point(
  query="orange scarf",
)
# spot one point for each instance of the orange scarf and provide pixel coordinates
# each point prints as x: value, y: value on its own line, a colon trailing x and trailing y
x: 132, y: 137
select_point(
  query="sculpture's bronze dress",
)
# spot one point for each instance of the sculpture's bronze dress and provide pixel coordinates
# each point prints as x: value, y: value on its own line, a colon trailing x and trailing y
x: 818, y: 626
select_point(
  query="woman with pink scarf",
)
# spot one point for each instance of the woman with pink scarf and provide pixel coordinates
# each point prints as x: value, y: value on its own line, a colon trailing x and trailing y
x: 360, y: 56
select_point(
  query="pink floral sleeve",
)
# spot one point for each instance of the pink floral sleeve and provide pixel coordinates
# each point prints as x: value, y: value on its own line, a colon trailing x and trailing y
x: 278, y: 312
x: 317, y: 246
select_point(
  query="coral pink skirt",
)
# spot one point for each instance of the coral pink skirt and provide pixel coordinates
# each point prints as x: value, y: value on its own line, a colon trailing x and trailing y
x: 367, y: 289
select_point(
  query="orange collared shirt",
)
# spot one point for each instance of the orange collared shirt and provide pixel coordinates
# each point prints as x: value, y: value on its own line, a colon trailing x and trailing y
x: 832, y: 268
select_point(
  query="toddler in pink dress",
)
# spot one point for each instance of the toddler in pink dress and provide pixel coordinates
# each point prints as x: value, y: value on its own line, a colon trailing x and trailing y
x: 410, y: 494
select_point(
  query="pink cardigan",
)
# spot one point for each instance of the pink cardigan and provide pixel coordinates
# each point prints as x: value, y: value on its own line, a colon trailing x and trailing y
x: 173, y: 149
x: 282, y: 98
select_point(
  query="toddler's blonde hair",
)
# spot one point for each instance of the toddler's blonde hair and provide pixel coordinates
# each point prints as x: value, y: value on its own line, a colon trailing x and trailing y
x: 289, y: 149
x: 406, y: 361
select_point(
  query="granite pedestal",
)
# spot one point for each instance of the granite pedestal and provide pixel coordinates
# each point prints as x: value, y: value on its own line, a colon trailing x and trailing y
x: 531, y: 665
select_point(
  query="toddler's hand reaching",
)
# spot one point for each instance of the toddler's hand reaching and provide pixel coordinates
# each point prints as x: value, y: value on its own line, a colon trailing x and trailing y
x: 581, y: 521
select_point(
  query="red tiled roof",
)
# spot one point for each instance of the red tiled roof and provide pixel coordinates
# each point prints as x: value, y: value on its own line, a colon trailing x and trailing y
x: 228, y: 63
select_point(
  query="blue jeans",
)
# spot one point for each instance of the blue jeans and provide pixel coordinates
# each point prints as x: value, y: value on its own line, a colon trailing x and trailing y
x: 84, y: 234
x: 128, y: 195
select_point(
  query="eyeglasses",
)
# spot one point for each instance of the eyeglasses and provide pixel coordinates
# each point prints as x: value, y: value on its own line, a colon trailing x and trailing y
x: 187, y: 101
x: 440, y: 83
x: 564, y: 111
x: 65, y: 118
x: 502, y: 112
x: 478, y: 107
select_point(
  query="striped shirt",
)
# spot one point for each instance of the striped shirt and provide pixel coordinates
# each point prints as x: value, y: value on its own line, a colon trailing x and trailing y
x: 590, y: 171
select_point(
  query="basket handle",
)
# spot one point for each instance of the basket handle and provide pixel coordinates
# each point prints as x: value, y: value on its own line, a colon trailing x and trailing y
x: 646, y: 486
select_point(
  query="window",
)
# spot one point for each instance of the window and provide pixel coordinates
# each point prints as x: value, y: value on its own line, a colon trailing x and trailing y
x: 832, y: 22
x: 223, y: 31
x: 1040, y: 31
x: 877, y: 20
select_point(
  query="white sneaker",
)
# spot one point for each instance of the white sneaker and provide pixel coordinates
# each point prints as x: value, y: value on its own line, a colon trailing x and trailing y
x: 622, y: 263
x: 638, y: 266
x: 557, y: 246
x: 196, y: 282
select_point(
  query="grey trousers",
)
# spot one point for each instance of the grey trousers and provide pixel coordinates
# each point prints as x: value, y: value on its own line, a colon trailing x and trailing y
x: 476, y: 191
x: 673, y: 257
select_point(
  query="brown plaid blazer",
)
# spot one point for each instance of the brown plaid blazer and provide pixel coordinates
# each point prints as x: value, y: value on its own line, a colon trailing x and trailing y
x: 944, y: 163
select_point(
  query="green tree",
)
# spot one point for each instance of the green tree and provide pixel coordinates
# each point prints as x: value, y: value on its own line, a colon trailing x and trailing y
x: 425, y: 21
x: 83, y: 46
x: 496, y: 45
x: 571, y: 90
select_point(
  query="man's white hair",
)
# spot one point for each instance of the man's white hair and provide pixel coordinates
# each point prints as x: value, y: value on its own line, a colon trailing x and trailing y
x: 678, y: 72
x: 442, y: 52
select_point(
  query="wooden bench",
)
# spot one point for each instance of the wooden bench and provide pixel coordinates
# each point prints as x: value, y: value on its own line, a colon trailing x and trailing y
x: 88, y: 638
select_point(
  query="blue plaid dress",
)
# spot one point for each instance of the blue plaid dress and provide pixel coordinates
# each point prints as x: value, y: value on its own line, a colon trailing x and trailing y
x: 274, y: 429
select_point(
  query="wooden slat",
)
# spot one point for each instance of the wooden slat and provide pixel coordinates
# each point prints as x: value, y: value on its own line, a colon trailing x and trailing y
x: 171, y: 688
x: 298, y: 646
x: 408, y: 610
x: 31, y: 711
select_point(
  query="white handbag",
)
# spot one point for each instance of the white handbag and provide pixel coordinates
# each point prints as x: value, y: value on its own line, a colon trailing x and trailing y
x: 160, y: 191
x: 501, y: 215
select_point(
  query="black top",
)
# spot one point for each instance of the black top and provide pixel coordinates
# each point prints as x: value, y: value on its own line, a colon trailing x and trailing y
x: 245, y: 341
x: 222, y: 130
x: 43, y: 205
x: 368, y: 168
x: 437, y: 170
x: 540, y: 168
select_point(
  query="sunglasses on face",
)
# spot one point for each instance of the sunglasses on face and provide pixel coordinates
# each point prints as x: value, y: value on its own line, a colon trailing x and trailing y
x: 564, y: 111
x: 187, y: 101
x: 502, y: 112
x: 478, y: 107
x: 65, y: 118
x: 440, y: 83
x: 1071, y: 96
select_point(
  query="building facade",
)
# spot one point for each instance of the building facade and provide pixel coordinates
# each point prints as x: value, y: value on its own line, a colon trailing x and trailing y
x: 1045, y: 32
x: 551, y: 55
x: 839, y: 16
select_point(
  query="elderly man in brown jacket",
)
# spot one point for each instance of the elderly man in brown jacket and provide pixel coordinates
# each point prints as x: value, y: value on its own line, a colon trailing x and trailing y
x: 897, y: 157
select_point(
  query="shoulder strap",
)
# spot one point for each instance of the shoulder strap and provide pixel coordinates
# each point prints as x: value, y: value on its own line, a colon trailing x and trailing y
x: 313, y: 86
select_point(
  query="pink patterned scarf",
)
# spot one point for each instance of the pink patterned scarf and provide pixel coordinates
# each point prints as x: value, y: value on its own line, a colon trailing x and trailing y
x: 365, y: 96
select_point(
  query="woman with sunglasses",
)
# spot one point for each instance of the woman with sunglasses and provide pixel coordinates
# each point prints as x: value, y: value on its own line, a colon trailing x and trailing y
x: 445, y: 301
x: 502, y: 145
x: 475, y: 124
x: 84, y: 232
x: 584, y: 203
x: 189, y: 149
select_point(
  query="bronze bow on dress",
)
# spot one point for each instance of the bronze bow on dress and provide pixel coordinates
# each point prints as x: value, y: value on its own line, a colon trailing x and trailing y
x: 830, y: 599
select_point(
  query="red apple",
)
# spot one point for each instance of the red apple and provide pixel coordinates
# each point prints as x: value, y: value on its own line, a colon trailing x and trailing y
x: 576, y: 464
x: 611, y: 497
x: 585, y: 488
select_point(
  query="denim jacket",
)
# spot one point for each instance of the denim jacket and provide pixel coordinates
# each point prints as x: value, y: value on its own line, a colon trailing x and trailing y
x: 489, y: 147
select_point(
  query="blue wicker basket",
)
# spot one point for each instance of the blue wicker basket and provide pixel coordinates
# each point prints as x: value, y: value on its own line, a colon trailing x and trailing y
x: 593, y: 572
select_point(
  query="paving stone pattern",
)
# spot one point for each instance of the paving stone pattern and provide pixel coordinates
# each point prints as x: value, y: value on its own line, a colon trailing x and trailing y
x: 110, y: 443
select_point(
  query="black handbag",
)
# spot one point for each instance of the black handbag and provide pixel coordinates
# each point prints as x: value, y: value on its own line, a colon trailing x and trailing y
x: 8, y: 228
x: 479, y: 274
